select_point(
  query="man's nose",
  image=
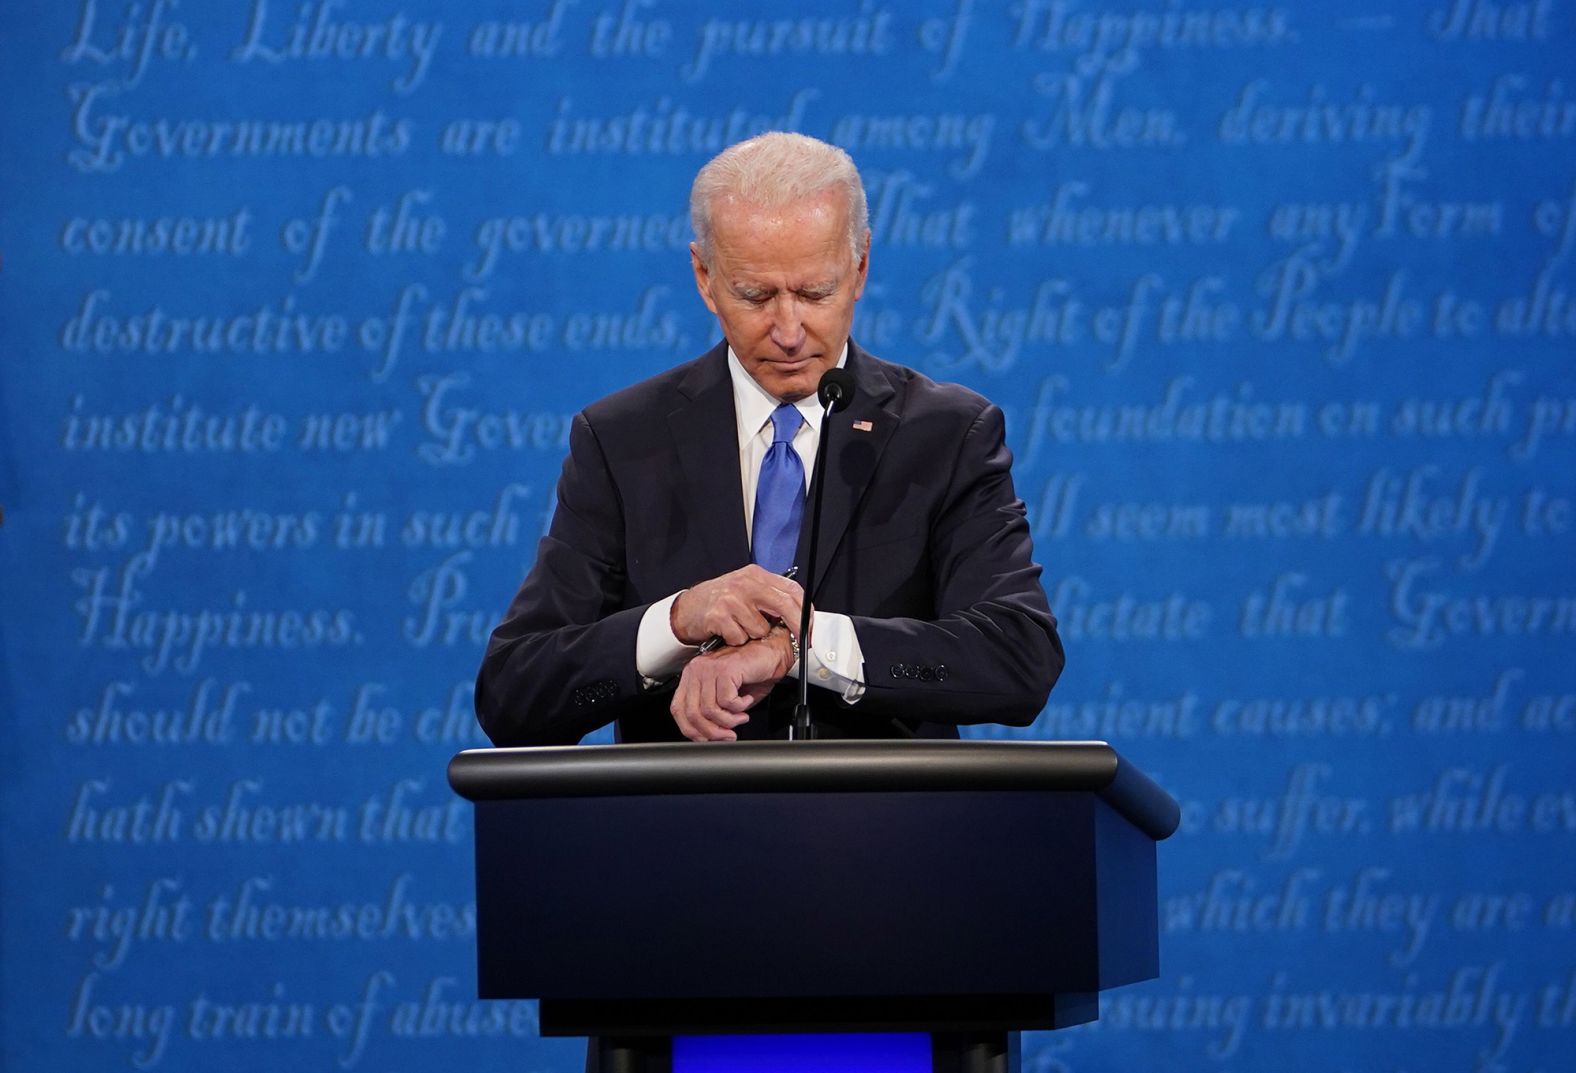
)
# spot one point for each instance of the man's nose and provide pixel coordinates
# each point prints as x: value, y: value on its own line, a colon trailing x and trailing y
x: 787, y: 326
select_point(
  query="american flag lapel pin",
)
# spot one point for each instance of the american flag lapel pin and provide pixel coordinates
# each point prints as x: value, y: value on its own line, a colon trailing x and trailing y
x: 864, y: 426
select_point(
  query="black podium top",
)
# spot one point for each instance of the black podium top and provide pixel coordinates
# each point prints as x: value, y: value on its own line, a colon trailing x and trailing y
x: 817, y: 767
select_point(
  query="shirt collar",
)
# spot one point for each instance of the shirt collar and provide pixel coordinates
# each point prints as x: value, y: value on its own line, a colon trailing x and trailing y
x: 753, y: 404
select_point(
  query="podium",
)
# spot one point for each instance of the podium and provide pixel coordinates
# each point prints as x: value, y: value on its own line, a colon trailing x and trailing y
x: 651, y: 896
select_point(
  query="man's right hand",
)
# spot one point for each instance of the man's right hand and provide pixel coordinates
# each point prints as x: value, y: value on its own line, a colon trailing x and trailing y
x: 718, y: 688
x: 738, y: 607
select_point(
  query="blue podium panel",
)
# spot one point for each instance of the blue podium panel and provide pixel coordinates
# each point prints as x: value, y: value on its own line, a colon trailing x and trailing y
x: 886, y: 1052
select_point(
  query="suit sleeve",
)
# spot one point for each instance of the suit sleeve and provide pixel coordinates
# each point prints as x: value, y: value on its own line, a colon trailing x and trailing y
x: 989, y: 652
x: 562, y: 662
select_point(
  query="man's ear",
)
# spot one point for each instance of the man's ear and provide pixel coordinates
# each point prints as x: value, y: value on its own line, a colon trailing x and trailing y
x: 702, y: 277
x: 862, y: 270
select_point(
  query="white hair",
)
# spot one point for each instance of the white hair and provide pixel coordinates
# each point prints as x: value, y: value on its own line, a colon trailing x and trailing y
x: 772, y: 170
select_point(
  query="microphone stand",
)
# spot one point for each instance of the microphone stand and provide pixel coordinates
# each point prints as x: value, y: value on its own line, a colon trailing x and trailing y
x: 834, y: 395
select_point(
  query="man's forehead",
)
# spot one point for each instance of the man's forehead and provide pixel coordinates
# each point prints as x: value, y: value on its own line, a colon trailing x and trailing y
x: 804, y: 247
x: 739, y: 220
x: 756, y: 273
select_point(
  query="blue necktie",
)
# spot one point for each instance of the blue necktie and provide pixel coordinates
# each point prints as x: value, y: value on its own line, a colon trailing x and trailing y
x: 779, y: 495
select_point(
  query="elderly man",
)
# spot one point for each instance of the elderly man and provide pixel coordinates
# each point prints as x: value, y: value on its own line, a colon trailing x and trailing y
x: 681, y: 514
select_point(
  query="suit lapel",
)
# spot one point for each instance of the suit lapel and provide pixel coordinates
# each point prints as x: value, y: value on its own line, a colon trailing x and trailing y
x: 705, y: 438
x: 859, y: 435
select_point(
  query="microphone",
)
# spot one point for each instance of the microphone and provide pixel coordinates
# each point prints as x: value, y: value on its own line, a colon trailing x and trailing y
x: 835, y: 392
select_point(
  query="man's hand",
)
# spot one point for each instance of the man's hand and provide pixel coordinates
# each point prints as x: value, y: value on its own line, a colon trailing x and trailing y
x: 738, y: 607
x: 718, y: 688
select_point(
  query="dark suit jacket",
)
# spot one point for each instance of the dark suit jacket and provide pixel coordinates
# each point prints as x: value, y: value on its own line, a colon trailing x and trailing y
x: 923, y: 543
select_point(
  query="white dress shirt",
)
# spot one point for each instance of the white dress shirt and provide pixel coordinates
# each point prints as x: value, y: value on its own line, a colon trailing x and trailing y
x: 836, y: 660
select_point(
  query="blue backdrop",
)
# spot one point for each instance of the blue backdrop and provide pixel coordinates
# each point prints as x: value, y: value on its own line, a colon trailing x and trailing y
x: 297, y: 301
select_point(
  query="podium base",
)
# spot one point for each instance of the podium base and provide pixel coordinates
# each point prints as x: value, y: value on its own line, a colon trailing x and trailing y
x: 966, y: 1015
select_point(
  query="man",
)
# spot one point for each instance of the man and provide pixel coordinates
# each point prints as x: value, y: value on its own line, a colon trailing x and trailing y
x: 681, y: 510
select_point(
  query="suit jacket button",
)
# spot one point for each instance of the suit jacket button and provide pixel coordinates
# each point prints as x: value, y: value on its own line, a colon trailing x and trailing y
x: 926, y: 674
x: 897, y: 670
x: 941, y: 672
x: 910, y: 672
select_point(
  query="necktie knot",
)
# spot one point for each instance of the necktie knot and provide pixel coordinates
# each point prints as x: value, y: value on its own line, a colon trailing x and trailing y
x: 786, y: 420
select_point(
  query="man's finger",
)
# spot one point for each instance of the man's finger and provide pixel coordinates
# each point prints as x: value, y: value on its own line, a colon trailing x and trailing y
x: 737, y: 621
x: 725, y: 693
x: 717, y: 710
x: 686, y: 709
x: 680, y: 707
x: 785, y: 608
x: 740, y: 703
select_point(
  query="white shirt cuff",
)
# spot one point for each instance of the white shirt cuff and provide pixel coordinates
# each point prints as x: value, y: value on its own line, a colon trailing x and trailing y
x: 659, y: 655
x: 836, y: 661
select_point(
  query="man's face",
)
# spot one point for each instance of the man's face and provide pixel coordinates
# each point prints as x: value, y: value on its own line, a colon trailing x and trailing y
x: 783, y: 284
